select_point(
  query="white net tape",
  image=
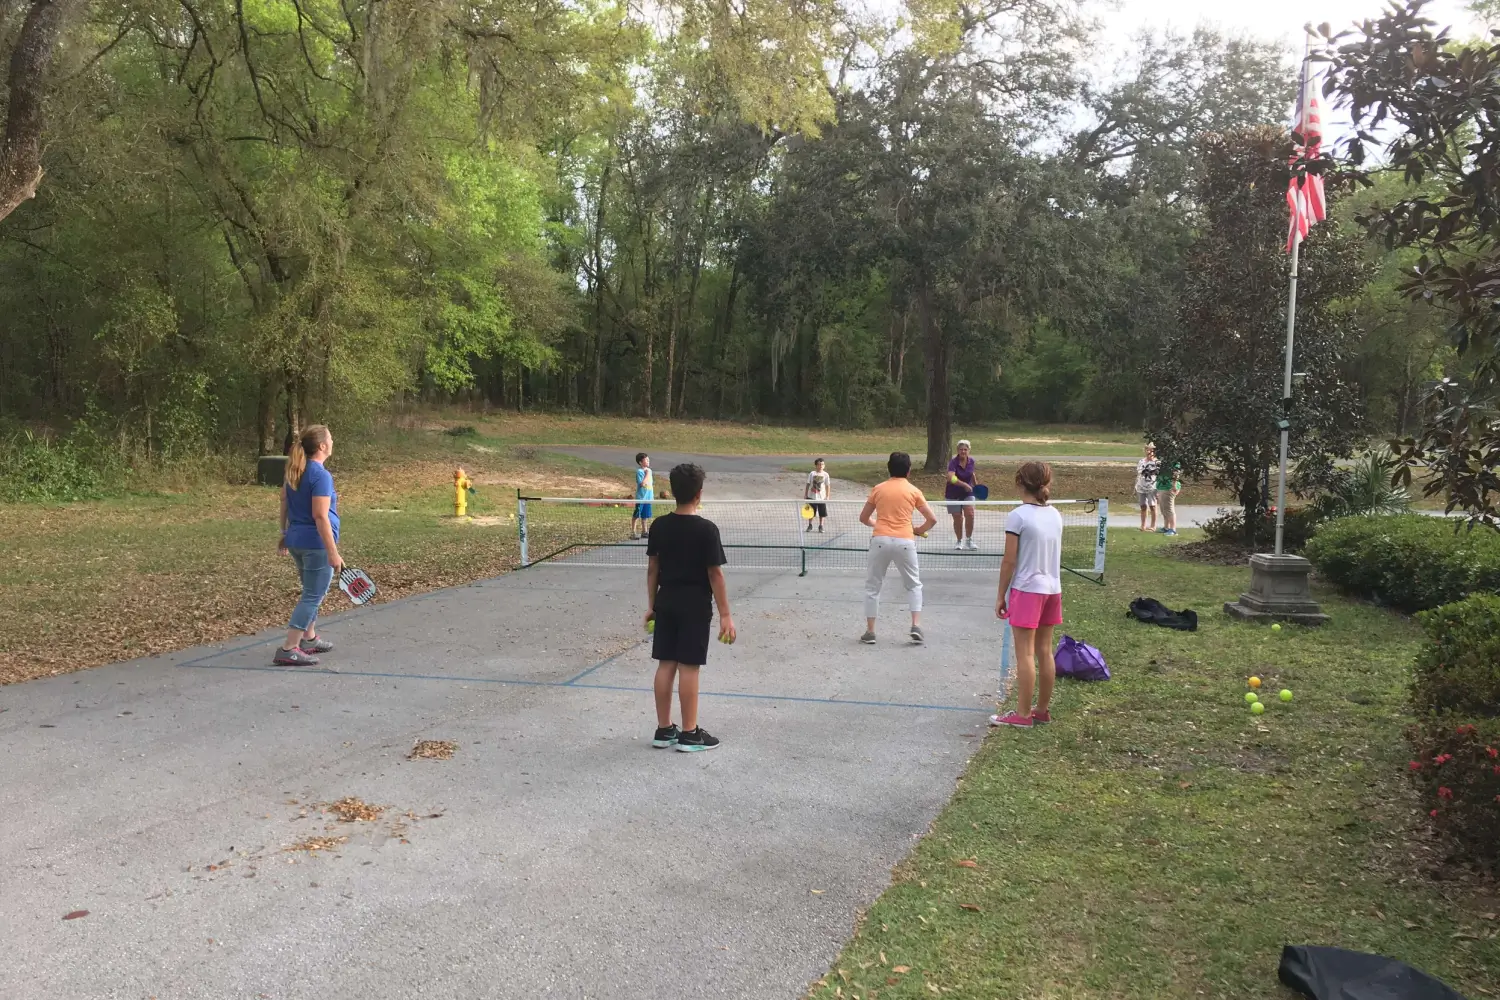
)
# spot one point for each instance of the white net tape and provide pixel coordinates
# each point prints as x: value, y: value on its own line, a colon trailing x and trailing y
x: 775, y: 534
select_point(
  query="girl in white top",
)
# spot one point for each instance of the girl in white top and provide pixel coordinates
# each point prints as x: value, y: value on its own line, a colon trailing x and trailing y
x: 1031, y: 593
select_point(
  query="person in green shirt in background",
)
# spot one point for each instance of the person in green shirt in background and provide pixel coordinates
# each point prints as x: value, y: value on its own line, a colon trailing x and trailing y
x: 1168, y: 485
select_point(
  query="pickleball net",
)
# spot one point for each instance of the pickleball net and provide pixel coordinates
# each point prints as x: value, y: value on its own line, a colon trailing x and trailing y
x: 773, y: 534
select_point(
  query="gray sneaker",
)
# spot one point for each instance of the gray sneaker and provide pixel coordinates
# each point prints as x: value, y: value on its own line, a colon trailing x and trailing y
x: 916, y: 634
x: 868, y: 638
x: 316, y: 645
x: 294, y: 658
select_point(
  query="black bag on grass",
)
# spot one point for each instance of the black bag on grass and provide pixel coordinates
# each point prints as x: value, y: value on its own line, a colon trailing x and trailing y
x: 1338, y: 974
x: 1154, y: 612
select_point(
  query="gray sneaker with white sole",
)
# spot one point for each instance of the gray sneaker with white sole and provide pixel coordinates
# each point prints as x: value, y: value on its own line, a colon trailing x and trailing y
x: 294, y: 658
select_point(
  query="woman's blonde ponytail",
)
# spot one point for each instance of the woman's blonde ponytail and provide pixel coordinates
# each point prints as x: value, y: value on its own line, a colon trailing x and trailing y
x: 306, y: 446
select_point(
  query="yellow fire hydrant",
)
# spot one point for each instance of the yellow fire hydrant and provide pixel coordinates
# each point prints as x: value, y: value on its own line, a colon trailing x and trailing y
x: 461, y: 490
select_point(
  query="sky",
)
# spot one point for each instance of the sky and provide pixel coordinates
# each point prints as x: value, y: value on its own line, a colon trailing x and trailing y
x: 1269, y: 19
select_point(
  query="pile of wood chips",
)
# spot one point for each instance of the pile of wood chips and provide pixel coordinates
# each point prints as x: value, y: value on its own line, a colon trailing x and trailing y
x: 433, y: 750
x: 352, y: 810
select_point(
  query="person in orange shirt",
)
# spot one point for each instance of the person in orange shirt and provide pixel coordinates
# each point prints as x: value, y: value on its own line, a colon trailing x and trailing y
x: 888, y: 511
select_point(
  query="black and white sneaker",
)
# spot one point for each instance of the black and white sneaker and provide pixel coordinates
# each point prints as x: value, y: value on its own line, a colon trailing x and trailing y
x: 695, y: 740
x: 916, y: 634
x: 666, y: 737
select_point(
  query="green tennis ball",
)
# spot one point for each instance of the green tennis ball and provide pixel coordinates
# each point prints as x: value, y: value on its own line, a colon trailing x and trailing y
x: 651, y: 625
x: 1286, y: 694
x: 726, y: 640
x: 1276, y: 627
x: 1251, y: 697
x: 1257, y: 708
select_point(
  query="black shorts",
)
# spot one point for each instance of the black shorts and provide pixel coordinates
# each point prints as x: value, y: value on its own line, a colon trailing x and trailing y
x: 681, y: 638
x: 819, y: 509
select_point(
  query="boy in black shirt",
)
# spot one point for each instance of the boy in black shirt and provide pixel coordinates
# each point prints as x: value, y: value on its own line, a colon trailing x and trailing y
x: 684, y: 578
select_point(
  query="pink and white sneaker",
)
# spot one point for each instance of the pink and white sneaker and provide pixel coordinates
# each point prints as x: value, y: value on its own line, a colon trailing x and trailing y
x: 1013, y: 719
x: 1040, y: 718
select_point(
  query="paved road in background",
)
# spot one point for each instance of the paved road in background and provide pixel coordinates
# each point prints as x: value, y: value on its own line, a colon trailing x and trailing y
x: 555, y: 855
x: 662, y: 461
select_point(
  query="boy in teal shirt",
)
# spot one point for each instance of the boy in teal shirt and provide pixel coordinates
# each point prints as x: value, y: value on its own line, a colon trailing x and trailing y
x: 1168, y: 485
x: 645, y: 490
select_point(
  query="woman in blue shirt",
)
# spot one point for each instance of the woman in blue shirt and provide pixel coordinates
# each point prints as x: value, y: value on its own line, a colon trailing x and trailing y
x: 310, y: 533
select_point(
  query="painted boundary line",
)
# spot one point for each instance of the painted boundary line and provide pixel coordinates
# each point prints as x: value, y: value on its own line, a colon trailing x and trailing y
x: 512, y: 682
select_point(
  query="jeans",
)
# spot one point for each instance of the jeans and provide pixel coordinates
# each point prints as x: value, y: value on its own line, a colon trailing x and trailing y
x: 317, y: 575
x: 885, y: 550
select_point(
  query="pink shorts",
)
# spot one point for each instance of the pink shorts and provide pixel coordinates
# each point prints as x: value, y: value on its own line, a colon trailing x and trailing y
x: 1026, y: 610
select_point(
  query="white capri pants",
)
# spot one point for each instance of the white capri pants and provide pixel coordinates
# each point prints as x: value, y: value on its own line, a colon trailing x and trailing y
x: 884, y: 551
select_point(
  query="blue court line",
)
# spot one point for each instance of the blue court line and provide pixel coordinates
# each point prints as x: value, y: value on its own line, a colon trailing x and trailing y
x: 603, y: 663
x: 256, y: 668
x: 512, y: 682
x: 798, y: 698
x: 225, y: 652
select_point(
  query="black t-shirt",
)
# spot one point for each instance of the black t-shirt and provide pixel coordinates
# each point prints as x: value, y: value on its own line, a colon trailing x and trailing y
x: 685, y: 545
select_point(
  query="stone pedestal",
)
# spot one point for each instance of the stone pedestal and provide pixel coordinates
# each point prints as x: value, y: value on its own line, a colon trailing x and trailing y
x: 1278, y: 592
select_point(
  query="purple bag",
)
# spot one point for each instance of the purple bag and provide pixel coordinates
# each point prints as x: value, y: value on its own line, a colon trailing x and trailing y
x: 1080, y: 661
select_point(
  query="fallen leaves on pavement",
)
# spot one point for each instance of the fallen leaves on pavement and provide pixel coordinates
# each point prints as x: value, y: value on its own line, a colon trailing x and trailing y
x: 433, y: 750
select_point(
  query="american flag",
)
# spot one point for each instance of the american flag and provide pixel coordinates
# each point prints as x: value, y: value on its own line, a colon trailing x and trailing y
x: 1304, y: 193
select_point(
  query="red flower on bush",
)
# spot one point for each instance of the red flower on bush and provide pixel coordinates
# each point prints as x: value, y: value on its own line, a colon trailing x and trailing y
x: 1497, y: 768
x: 1415, y: 765
x: 1465, y: 730
x: 1442, y: 758
x: 1492, y: 751
x: 1445, y: 792
x: 1433, y: 814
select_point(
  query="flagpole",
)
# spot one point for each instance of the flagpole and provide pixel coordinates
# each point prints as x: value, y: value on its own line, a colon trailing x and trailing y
x: 1286, y: 389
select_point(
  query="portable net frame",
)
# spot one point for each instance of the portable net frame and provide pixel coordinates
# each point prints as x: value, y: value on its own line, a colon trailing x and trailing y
x: 774, y: 534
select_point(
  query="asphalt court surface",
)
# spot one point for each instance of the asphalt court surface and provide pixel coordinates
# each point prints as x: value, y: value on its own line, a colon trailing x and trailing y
x: 556, y: 854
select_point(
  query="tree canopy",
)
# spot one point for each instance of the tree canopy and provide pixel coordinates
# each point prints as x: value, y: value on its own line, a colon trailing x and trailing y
x: 256, y: 213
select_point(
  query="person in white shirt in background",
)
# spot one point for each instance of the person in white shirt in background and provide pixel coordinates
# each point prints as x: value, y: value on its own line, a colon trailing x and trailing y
x: 819, y: 486
x: 1145, y: 485
x: 1031, y: 593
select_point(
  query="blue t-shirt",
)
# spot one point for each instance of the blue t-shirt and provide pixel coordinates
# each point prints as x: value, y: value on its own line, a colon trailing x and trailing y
x: 302, y: 531
x: 644, y: 483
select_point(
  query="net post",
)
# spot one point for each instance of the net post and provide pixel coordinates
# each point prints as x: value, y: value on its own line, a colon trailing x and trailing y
x: 521, y: 528
x: 802, y: 540
x: 1102, y: 541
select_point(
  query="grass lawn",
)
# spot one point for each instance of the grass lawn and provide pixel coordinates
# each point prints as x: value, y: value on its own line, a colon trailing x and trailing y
x: 1159, y: 841
x: 90, y: 583
x: 726, y: 437
x: 1115, y: 483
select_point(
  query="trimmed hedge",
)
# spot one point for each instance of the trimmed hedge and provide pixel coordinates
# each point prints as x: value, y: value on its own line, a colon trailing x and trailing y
x: 1456, y: 740
x: 1411, y: 562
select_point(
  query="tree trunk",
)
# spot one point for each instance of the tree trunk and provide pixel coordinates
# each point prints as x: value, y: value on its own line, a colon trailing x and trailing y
x: 725, y: 335
x: 666, y: 409
x: 21, y: 142
x: 265, y: 416
x: 936, y: 351
x: 599, y: 279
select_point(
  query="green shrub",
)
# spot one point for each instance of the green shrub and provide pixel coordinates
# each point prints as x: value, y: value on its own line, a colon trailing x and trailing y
x: 36, y: 470
x: 1459, y: 671
x: 1229, y: 526
x: 1411, y: 562
x: 1363, y: 488
x: 1456, y: 740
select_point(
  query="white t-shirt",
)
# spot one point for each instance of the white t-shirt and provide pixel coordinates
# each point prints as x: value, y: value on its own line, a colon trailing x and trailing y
x: 817, y: 485
x: 1039, y: 532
